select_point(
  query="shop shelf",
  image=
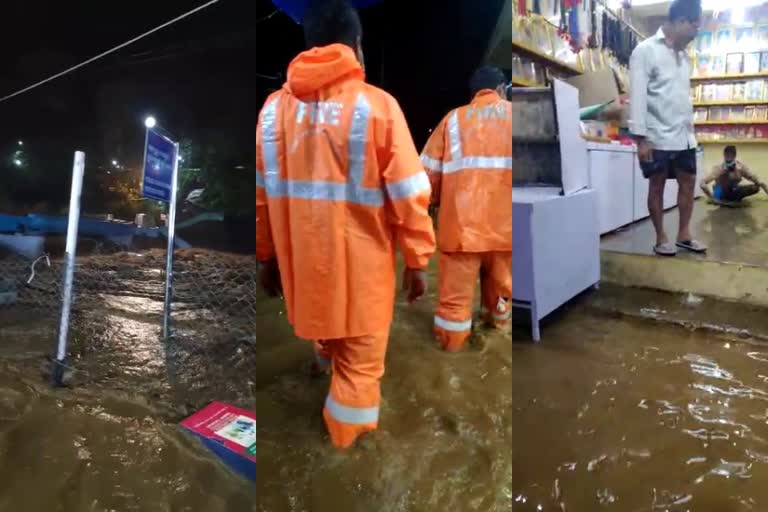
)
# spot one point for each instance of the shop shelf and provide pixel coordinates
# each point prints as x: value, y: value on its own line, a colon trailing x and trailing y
x: 740, y: 76
x: 711, y: 123
x: 533, y: 53
x: 728, y: 103
x: 734, y: 141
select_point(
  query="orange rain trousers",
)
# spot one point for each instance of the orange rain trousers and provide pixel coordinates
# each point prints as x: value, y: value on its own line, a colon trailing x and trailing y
x: 457, y: 275
x: 357, y: 366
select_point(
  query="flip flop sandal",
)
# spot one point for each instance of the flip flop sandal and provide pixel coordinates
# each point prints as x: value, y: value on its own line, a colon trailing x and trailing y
x: 666, y: 249
x: 693, y: 246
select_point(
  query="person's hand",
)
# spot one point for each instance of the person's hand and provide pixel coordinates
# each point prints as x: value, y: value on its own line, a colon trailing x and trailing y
x: 414, y: 284
x: 270, y: 278
x: 644, y: 150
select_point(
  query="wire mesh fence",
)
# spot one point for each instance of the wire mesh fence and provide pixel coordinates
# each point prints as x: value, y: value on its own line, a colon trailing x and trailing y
x: 117, y: 311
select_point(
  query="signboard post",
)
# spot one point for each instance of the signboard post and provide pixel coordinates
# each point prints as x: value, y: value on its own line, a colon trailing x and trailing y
x: 160, y: 181
x: 59, y: 363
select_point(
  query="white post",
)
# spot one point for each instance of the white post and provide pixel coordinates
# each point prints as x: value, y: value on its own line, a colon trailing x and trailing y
x: 69, y: 261
x: 171, y: 244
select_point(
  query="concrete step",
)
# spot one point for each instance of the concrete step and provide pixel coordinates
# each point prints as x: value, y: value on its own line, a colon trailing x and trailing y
x: 693, y: 312
x: 728, y: 281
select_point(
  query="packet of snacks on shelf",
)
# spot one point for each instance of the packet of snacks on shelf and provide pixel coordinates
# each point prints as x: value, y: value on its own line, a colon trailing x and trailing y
x: 528, y: 70
x: 541, y: 33
x: 567, y: 56
x: 752, y: 62
x: 700, y: 114
x: 762, y: 37
x: 734, y: 63
x: 718, y: 65
x: 525, y: 33
x: 715, y: 114
x: 693, y: 94
x: 755, y: 90
x: 708, y: 92
x: 761, y: 113
x: 749, y: 113
x: 736, y: 114
x: 703, y: 65
x: 517, y: 67
x: 519, y: 27
x: 723, y: 92
x: 739, y: 91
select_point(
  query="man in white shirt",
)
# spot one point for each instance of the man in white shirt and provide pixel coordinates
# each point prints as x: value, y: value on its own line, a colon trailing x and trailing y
x: 661, y: 120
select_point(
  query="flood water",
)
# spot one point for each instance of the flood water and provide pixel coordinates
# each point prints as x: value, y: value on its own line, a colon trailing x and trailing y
x: 633, y: 415
x: 444, y: 436
x: 112, y: 442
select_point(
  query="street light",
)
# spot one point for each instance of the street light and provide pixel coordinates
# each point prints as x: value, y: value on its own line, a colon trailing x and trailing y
x: 21, y: 143
x: 114, y: 162
x: 150, y: 122
x: 17, y: 162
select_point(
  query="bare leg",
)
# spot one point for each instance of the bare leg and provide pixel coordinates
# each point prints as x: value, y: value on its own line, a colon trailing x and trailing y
x: 686, y: 183
x: 656, y: 205
x: 745, y: 191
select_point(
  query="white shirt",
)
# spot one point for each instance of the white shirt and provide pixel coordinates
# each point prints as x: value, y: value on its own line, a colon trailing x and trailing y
x: 659, y: 97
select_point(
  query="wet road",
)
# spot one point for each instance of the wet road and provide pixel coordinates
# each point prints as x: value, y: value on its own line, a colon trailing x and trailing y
x: 112, y: 442
x: 444, y: 435
x: 632, y: 415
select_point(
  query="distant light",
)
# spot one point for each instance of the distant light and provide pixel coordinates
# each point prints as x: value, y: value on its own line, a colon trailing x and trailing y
x: 21, y: 143
x: 181, y: 158
x: 114, y: 162
x: 150, y: 122
x: 17, y: 162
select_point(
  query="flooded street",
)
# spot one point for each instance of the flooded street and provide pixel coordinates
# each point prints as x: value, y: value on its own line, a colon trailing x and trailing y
x: 112, y: 442
x: 445, y: 429
x: 634, y: 415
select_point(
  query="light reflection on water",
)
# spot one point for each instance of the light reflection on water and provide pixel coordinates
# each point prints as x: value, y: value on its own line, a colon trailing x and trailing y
x: 112, y: 442
x: 681, y: 427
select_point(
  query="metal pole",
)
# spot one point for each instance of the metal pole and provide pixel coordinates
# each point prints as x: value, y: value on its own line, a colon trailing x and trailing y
x: 69, y: 266
x: 171, y: 245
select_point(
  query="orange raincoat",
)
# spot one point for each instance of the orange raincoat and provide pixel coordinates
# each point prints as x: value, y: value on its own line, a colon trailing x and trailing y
x: 339, y: 184
x: 469, y: 161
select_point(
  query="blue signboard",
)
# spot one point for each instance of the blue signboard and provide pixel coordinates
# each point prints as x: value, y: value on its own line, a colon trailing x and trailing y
x: 159, y: 159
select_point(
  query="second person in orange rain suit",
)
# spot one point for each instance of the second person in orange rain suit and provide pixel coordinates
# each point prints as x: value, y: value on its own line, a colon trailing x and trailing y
x: 469, y: 161
x: 339, y: 186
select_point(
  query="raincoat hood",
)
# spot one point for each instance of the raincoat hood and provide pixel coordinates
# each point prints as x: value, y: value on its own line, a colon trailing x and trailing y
x: 319, y: 68
x: 486, y: 96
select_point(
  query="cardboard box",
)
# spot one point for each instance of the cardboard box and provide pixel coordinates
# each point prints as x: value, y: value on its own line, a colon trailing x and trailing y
x: 595, y: 88
x: 228, y: 432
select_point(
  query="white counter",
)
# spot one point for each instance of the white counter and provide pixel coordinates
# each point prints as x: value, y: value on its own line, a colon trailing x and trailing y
x: 622, y: 191
x: 555, y: 249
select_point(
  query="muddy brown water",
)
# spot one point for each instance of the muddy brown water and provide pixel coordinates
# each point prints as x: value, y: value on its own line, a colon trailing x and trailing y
x: 632, y: 415
x: 112, y: 442
x: 445, y: 427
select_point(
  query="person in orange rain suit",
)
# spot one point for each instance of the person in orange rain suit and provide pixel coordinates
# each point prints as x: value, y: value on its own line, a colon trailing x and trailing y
x: 339, y: 184
x: 469, y: 161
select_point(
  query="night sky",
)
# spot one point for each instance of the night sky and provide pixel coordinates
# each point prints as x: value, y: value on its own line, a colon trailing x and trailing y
x: 197, y: 77
x: 207, y: 76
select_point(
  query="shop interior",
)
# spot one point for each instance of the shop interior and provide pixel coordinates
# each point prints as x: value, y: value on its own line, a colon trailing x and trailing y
x: 584, y: 46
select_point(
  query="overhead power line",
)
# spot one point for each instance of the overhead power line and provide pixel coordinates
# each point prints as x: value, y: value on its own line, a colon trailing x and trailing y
x: 110, y: 51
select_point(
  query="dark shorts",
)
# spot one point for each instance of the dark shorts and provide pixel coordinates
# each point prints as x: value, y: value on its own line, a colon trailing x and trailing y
x: 736, y: 193
x: 670, y: 163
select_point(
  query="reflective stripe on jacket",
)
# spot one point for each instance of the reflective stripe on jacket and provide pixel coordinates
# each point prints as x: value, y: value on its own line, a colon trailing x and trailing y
x: 339, y: 183
x: 469, y: 161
